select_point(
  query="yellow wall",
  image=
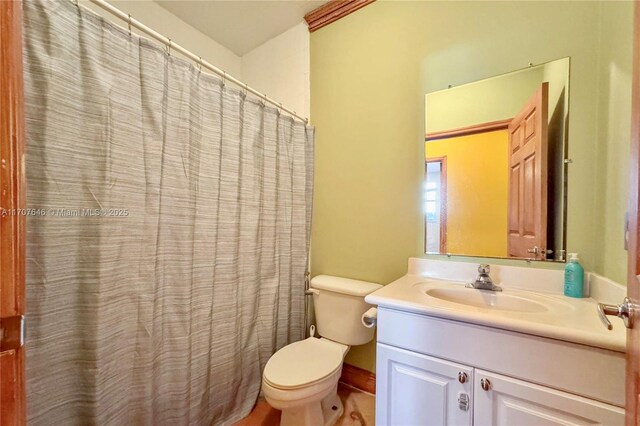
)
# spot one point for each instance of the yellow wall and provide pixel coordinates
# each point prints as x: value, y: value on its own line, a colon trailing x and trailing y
x: 477, y: 190
x: 369, y: 74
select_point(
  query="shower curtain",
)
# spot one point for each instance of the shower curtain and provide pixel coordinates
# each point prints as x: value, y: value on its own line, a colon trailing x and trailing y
x: 168, y: 230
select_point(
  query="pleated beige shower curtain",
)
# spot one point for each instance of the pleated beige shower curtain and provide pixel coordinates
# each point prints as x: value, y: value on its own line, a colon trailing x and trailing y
x: 168, y: 230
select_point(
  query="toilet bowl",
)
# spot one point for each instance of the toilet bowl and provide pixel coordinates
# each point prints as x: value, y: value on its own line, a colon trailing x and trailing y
x: 301, y: 379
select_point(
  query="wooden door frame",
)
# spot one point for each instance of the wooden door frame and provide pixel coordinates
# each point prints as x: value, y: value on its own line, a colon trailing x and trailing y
x: 632, y: 385
x: 443, y: 202
x: 12, y: 202
x: 489, y: 126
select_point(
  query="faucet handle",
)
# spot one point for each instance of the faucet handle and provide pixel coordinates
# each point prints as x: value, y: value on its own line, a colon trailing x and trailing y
x: 484, y: 269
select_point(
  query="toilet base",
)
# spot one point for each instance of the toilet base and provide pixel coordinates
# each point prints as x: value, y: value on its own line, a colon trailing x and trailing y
x: 321, y: 413
x: 331, y: 414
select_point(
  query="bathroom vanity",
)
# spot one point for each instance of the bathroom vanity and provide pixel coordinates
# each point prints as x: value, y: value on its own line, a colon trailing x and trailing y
x: 450, y: 355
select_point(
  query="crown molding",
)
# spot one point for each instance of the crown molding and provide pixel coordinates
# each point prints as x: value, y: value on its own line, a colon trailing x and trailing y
x: 332, y: 11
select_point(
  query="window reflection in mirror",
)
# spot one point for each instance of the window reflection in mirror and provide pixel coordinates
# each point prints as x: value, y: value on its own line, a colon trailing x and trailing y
x: 495, y: 175
x: 435, y: 204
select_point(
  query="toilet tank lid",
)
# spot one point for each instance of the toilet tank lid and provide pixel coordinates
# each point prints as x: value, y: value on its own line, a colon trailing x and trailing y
x: 343, y: 285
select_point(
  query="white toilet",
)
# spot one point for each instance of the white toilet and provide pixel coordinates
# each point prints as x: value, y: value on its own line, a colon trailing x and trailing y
x: 301, y: 379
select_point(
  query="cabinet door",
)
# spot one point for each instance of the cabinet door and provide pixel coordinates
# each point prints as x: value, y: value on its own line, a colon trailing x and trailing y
x: 506, y: 401
x: 415, y: 389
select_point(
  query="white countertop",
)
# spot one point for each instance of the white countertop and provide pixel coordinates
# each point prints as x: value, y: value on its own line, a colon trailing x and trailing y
x: 564, y: 318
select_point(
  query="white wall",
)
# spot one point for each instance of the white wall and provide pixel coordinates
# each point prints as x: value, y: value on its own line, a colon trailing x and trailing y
x: 280, y: 69
x: 159, y: 19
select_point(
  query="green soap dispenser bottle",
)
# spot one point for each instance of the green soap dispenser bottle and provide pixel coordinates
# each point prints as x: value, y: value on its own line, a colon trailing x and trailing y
x: 573, y: 277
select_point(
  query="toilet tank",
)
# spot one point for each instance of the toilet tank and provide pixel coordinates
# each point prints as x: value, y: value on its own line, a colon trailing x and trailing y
x: 339, y: 304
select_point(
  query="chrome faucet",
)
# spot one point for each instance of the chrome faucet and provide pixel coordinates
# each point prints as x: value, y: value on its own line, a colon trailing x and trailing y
x: 483, y: 280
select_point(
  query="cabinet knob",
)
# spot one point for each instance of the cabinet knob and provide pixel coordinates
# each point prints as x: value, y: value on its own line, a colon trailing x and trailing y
x: 462, y: 377
x: 485, y: 384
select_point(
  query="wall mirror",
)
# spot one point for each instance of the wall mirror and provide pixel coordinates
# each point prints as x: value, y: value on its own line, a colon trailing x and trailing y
x: 496, y: 168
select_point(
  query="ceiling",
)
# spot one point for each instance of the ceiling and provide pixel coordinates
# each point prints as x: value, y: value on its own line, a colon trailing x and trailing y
x: 241, y: 25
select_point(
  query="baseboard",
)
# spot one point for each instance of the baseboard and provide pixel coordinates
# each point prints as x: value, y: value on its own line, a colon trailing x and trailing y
x: 358, y: 378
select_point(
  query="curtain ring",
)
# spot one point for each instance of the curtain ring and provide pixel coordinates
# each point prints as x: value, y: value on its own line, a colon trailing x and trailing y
x: 246, y: 89
x: 199, y: 63
x: 129, y: 24
x: 224, y: 78
x: 169, y: 47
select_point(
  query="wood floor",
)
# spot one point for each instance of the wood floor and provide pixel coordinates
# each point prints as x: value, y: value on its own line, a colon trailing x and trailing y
x: 359, y: 410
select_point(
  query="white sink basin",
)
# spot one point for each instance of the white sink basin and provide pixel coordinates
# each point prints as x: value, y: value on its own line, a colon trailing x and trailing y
x: 487, y: 299
x: 454, y: 295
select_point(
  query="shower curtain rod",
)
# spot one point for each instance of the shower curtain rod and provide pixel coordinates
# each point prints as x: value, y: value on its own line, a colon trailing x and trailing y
x: 198, y: 59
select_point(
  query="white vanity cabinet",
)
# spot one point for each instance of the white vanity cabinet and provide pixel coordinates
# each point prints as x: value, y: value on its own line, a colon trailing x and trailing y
x: 421, y: 390
x: 506, y: 401
x: 433, y: 371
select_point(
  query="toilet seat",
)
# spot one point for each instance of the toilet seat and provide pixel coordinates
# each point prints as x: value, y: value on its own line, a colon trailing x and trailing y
x: 303, y: 363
